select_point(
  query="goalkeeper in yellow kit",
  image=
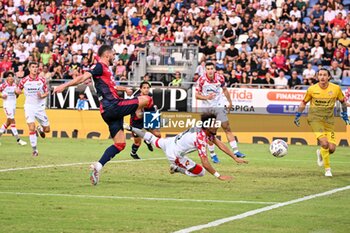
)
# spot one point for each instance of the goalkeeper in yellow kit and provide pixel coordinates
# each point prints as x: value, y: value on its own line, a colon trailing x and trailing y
x: 322, y: 97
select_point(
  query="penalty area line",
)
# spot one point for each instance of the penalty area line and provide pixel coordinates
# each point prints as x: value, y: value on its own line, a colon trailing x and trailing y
x: 135, y: 198
x: 260, y: 210
x: 74, y: 164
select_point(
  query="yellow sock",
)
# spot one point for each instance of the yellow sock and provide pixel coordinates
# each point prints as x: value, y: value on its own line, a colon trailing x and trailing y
x: 325, y: 157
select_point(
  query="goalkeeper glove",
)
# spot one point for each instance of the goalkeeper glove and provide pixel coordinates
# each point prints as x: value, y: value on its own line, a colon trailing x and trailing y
x: 297, y: 119
x: 344, y: 116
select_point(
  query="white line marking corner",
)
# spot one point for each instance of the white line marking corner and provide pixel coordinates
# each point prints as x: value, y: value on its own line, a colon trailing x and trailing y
x: 260, y: 210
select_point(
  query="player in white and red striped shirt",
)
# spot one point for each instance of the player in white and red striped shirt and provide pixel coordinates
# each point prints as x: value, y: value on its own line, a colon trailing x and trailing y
x: 176, y: 148
x: 212, y: 90
x: 7, y: 90
x: 35, y: 91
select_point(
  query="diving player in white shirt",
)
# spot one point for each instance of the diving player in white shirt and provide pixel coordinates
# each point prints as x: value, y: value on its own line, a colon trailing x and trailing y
x: 176, y: 148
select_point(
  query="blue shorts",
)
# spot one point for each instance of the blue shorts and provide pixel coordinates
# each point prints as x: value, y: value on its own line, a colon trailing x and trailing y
x: 136, y: 124
x: 114, y: 114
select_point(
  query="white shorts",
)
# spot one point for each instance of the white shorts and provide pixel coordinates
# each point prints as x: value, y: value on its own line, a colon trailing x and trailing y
x: 10, y: 112
x: 169, y: 147
x: 33, y: 114
x: 220, y: 112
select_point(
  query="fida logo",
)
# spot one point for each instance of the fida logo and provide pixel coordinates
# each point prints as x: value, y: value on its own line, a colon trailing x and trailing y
x: 151, y: 120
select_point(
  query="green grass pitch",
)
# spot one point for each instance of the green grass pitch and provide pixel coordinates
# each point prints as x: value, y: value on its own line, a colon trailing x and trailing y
x: 132, y: 193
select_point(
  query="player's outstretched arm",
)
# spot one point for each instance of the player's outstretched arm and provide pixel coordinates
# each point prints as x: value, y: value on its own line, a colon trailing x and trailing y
x: 211, y: 170
x: 227, y: 151
x: 73, y: 82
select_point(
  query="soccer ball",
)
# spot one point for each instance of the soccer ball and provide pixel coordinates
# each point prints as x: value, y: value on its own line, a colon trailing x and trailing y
x: 279, y: 148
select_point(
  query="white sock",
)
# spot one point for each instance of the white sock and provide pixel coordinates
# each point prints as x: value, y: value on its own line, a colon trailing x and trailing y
x: 150, y: 138
x: 33, y: 140
x: 3, y: 129
x: 98, y: 166
x: 211, y: 149
x: 234, y: 146
x: 14, y: 131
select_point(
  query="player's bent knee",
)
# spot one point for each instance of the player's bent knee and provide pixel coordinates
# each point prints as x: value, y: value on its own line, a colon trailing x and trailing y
x: 149, y: 102
x: 324, y: 143
x: 198, y: 170
x: 332, y: 148
x: 137, y: 143
x: 120, y: 146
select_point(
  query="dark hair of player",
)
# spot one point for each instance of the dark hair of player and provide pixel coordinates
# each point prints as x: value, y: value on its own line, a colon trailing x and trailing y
x: 208, y: 117
x: 32, y: 63
x: 103, y: 49
x: 328, y: 72
x: 209, y: 64
x: 145, y: 83
x: 8, y: 73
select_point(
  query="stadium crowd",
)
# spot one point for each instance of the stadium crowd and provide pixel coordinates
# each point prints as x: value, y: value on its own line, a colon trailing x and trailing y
x: 250, y: 41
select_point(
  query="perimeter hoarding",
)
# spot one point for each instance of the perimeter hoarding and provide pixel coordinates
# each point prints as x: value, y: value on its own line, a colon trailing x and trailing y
x: 248, y: 128
x: 262, y: 101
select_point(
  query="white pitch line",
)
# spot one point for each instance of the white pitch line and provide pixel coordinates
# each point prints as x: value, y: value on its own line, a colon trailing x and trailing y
x: 260, y: 210
x: 294, y: 160
x: 136, y: 198
x: 74, y: 164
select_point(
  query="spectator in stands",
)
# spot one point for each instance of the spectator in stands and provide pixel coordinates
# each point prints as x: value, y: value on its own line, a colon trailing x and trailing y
x: 337, y: 21
x: 221, y: 51
x: 82, y: 103
x: 177, y: 80
x: 316, y: 54
x: 201, y: 68
x: 146, y: 78
x: 285, y: 42
x: 195, y: 77
x: 344, y: 40
x: 300, y: 62
x: 120, y: 72
x: 272, y: 39
x: 209, y: 51
x: 255, y: 79
x: 328, y: 54
x: 346, y: 67
x: 317, y: 15
x: 232, y: 53
x: 281, y: 81
x: 153, y: 58
x: 229, y: 34
x: 5, y: 64
x: 45, y: 73
x: 280, y: 60
x: 20, y: 72
x: 336, y: 73
x: 124, y: 56
x: 329, y: 15
x: 294, y: 80
x: 45, y: 55
x: 269, y: 80
x: 309, y: 75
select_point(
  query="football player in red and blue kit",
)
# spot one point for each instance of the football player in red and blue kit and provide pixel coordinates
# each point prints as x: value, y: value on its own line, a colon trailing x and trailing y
x: 113, y: 108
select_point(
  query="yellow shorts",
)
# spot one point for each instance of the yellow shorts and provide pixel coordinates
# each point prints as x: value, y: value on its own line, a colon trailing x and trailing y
x: 322, y: 129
